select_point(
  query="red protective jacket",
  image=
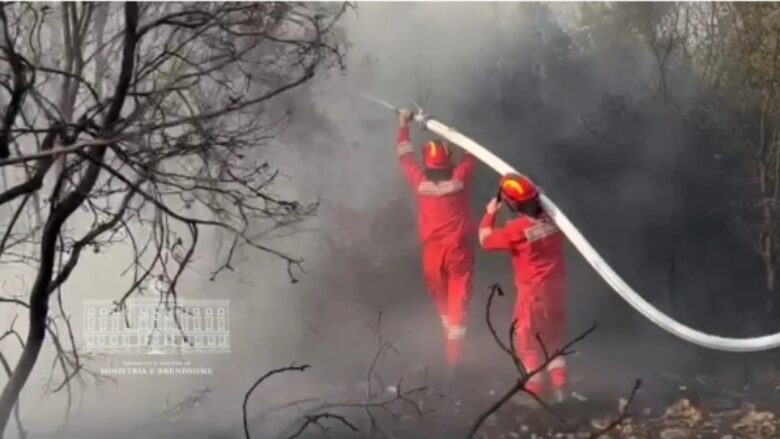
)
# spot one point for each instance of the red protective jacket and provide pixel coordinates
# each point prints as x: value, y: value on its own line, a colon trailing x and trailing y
x: 536, y: 247
x: 443, y: 207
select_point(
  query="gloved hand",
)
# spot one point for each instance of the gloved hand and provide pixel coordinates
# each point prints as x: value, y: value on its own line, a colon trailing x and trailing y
x: 404, y: 116
x: 493, y: 206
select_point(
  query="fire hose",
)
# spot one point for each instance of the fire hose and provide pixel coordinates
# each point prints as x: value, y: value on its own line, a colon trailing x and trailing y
x: 665, y: 322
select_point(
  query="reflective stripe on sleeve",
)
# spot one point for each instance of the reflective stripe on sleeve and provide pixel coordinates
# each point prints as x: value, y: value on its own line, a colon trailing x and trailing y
x: 405, y: 148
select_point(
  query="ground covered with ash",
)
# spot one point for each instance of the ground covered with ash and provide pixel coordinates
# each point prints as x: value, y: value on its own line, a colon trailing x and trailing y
x: 686, y: 391
x: 704, y: 407
x: 702, y: 410
x: 710, y: 395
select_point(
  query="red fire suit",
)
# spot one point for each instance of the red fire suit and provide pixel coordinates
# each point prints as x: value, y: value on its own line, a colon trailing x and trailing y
x: 536, y: 246
x: 445, y: 229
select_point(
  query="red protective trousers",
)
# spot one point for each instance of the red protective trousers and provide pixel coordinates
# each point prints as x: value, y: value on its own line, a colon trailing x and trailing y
x: 536, y: 247
x: 445, y: 229
x: 448, y: 276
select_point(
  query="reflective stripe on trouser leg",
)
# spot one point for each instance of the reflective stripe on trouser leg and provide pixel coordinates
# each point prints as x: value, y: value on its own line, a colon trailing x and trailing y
x: 458, y: 263
x: 532, y: 362
x: 558, y: 373
x: 458, y: 287
x: 535, y: 384
x: 552, y: 328
x: 455, y: 336
x: 527, y: 346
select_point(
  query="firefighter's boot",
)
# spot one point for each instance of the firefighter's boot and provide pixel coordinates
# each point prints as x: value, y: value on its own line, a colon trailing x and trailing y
x: 559, y: 396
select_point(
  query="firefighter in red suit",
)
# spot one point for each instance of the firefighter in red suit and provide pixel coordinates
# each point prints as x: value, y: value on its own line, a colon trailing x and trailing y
x: 443, y: 193
x: 536, y: 246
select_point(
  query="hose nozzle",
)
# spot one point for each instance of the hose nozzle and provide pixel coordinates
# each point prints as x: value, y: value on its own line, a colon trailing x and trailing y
x: 421, y: 118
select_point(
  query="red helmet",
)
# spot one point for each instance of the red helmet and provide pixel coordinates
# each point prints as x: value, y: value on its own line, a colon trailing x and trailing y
x: 436, y: 155
x: 518, y: 188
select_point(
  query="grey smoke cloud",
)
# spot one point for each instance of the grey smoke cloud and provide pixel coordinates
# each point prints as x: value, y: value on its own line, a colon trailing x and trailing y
x: 487, y: 69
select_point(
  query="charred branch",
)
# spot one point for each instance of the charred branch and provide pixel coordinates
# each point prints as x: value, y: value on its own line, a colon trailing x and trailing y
x: 179, y: 128
x: 21, y: 85
x: 523, y: 374
x: 259, y: 381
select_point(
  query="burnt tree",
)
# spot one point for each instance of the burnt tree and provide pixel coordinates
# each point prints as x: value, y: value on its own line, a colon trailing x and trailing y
x: 141, y: 125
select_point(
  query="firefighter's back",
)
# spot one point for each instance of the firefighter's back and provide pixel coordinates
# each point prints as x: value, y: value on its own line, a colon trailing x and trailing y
x: 444, y: 211
x: 538, y: 256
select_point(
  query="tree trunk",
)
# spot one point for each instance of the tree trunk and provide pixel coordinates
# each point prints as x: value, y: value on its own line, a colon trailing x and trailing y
x: 39, y: 309
x: 24, y: 367
x: 39, y: 296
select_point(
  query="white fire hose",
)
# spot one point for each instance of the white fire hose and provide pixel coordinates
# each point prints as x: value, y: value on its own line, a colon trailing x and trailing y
x: 751, y: 344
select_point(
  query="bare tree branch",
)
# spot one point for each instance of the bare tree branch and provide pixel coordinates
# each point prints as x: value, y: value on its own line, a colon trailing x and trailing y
x: 622, y: 416
x: 259, y: 381
x: 315, y: 419
x: 20, y: 84
x: 153, y: 119
x: 524, y: 374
